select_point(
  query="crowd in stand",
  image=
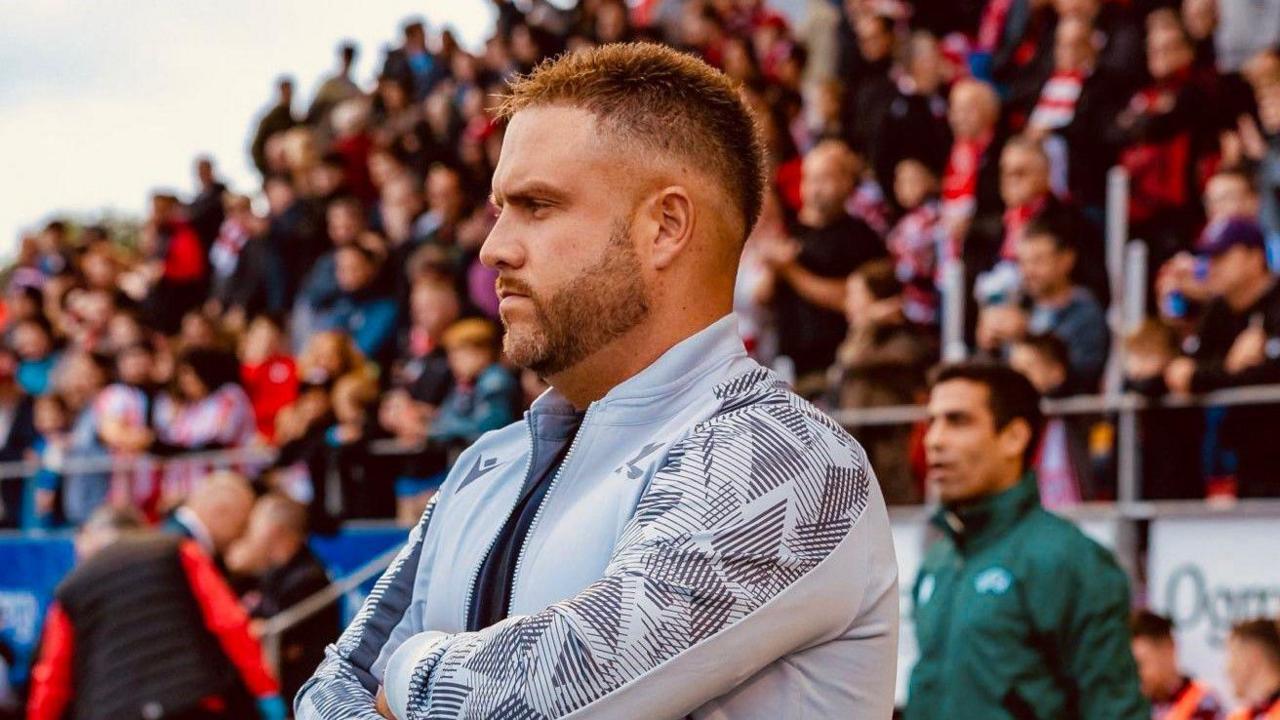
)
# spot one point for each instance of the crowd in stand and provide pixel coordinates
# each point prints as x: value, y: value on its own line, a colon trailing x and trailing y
x: 345, y: 303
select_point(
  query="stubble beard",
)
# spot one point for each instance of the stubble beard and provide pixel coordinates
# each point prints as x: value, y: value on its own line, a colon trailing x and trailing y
x: 592, y: 310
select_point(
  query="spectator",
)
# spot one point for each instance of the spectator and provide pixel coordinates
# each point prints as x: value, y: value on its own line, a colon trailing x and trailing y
x: 267, y: 372
x: 1173, y: 696
x: 1169, y: 439
x: 275, y: 544
x: 144, y: 625
x: 1074, y: 109
x: 295, y: 232
x: 872, y: 89
x: 423, y: 369
x: 363, y: 310
x: 79, y: 379
x: 1017, y: 612
x: 345, y: 483
x: 485, y: 395
x: 1161, y: 136
x: 882, y: 362
x: 32, y: 339
x: 1117, y: 35
x: 173, y: 280
x: 1253, y: 668
x: 49, y: 450
x: 413, y: 63
x: 328, y: 356
x: 214, y: 515
x: 1236, y: 343
x: 918, y: 241
x: 806, y: 288
x: 336, y: 88
x: 345, y: 223
x: 1055, y: 305
x: 205, y: 211
x: 248, y: 277
x: 1062, y: 462
x: 277, y: 120
x: 206, y: 410
x: 915, y: 118
x: 125, y: 410
x: 971, y: 180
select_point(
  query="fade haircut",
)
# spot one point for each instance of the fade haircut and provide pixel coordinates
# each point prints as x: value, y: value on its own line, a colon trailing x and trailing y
x: 661, y: 100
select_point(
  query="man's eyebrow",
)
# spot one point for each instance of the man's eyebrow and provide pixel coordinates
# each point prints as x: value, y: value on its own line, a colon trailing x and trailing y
x: 534, y: 189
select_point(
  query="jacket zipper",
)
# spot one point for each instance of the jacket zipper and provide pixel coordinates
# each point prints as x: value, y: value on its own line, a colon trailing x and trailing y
x: 475, y: 574
x: 537, y: 514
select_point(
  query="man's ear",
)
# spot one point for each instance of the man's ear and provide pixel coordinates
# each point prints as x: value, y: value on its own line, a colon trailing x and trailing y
x: 673, y: 215
x: 1014, y: 438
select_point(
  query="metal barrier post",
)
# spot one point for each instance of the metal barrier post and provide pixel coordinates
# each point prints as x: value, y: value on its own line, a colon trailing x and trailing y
x: 953, y: 347
x: 1118, y: 276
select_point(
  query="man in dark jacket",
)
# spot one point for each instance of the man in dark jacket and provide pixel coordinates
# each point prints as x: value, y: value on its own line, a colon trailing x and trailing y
x: 1237, y: 343
x: 290, y: 573
x: 145, y: 627
x: 278, y: 119
x: 809, y: 272
x: 1018, y: 614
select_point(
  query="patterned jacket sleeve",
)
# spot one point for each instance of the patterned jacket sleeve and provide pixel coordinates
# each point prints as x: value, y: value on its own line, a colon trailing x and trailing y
x: 745, y: 507
x: 346, y: 683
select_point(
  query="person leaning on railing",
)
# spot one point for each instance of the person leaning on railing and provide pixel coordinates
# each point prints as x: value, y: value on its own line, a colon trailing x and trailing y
x: 1237, y: 343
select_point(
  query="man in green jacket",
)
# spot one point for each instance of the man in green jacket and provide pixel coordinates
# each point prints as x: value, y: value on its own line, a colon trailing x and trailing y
x: 1017, y: 613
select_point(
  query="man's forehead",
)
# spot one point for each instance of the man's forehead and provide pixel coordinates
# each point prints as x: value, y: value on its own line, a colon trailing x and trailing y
x: 958, y: 396
x: 554, y: 145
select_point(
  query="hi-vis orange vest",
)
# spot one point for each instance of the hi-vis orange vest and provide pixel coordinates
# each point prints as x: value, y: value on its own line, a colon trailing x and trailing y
x: 1186, y: 706
x: 1271, y: 713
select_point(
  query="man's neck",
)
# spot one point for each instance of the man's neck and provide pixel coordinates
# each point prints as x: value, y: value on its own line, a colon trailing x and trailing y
x: 594, y: 376
x: 1243, y: 296
x: 1057, y: 297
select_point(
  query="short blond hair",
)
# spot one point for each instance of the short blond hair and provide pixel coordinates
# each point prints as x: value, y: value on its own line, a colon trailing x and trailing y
x: 660, y: 100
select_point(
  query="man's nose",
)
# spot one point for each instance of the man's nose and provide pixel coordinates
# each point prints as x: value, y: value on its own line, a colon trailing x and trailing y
x: 502, y: 248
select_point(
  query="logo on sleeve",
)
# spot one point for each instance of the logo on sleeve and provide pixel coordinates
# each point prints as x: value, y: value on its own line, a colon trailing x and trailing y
x: 993, y: 581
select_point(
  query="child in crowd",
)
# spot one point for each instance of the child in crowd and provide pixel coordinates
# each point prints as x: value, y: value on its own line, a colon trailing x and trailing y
x: 917, y: 242
x: 327, y: 356
x: 485, y: 397
x: 1170, y: 439
x: 32, y: 339
x: 346, y: 487
x: 53, y: 423
x: 882, y: 362
x: 267, y: 372
x: 1062, y: 462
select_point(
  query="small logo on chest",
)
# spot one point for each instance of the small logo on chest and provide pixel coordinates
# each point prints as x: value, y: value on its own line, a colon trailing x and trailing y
x: 993, y: 581
x: 482, y: 467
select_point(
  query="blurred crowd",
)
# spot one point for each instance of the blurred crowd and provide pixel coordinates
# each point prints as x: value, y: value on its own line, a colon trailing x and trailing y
x: 339, y: 314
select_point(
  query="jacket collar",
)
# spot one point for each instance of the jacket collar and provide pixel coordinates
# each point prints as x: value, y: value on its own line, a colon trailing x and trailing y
x: 975, y: 524
x: 680, y: 367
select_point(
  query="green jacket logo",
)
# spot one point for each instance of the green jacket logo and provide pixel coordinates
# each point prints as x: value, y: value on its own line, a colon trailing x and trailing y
x: 993, y: 581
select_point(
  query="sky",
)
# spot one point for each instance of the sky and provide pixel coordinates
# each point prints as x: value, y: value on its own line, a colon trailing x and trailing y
x: 102, y: 102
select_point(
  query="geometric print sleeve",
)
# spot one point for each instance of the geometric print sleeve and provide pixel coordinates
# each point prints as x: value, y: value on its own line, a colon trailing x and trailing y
x: 746, y: 505
x: 344, y: 685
